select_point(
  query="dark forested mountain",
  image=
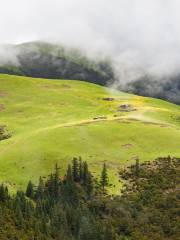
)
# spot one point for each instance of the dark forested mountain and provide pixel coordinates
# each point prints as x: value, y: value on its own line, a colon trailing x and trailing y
x: 45, y: 60
x: 167, y: 88
x: 39, y: 59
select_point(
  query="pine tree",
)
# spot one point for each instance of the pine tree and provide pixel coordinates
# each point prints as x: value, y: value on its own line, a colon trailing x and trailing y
x: 19, y: 217
x: 85, y: 172
x: 75, y: 170
x: 40, y: 189
x: 70, y: 189
x: 104, y: 178
x: 80, y: 169
x: 50, y: 185
x: 137, y: 167
x: 89, y: 184
x: 30, y: 190
x: 29, y: 209
x: 3, y: 193
x: 56, y: 181
x: 69, y: 178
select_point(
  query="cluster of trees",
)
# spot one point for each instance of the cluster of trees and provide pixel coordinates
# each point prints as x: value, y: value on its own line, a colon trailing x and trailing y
x: 58, y: 208
x: 77, y: 207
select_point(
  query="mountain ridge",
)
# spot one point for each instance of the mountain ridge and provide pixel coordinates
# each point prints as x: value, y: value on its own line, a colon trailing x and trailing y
x: 45, y: 60
x: 53, y: 61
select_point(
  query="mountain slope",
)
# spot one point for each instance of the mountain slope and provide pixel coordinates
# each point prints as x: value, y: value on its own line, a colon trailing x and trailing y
x: 40, y: 59
x: 47, y: 60
x: 53, y: 121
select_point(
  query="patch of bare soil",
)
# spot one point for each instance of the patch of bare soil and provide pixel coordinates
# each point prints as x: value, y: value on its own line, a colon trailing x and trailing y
x: 46, y: 86
x: 128, y: 145
x: 164, y: 125
x: 135, y: 158
x: 126, y: 108
x: 108, y: 99
x: 157, y: 124
x: 99, y: 117
x: 66, y: 86
x: 134, y: 119
x: 151, y: 123
x: 3, y: 94
x: 1, y: 107
x: 123, y: 121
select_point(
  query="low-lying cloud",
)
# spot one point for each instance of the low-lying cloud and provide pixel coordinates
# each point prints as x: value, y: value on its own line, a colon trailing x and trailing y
x: 141, y: 36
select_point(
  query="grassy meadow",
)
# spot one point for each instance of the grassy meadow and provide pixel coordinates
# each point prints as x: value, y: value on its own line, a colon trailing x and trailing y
x: 52, y: 121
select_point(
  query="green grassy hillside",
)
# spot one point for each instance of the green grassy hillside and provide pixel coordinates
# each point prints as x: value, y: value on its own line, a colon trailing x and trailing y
x: 53, y: 121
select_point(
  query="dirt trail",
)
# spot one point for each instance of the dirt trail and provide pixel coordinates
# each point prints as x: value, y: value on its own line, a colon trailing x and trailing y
x: 78, y: 123
x: 89, y: 121
x: 131, y: 116
x: 20, y: 138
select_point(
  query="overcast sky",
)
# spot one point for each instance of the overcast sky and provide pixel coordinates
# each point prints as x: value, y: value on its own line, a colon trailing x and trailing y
x: 138, y: 33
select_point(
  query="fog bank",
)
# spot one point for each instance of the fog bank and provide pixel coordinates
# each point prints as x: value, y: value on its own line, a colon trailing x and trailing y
x: 141, y: 35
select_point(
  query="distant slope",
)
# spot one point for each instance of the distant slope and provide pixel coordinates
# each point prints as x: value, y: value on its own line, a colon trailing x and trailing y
x: 51, y: 122
x: 45, y: 60
x: 165, y: 88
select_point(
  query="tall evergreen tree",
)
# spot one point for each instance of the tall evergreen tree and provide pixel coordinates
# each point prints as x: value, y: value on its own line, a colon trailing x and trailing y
x: 70, y: 189
x: 56, y: 181
x: 30, y: 190
x: 80, y: 169
x: 40, y: 189
x: 75, y: 169
x: 85, y: 172
x: 104, y: 178
x: 69, y: 178
x: 89, y: 184
x: 3, y: 193
x: 137, y: 167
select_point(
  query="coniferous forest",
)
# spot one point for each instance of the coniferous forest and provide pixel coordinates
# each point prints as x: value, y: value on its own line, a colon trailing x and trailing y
x: 77, y: 206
